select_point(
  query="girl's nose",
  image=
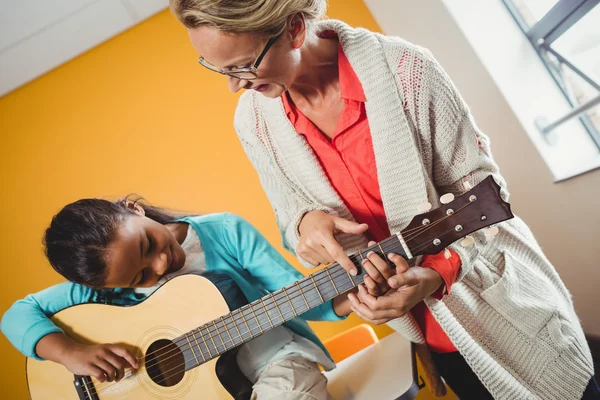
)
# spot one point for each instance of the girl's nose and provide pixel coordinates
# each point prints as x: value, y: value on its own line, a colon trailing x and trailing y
x: 162, y: 265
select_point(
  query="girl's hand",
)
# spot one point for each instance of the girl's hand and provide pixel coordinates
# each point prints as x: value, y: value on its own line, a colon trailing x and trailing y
x: 317, y: 243
x: 105, y: 362
x: 379, y: 270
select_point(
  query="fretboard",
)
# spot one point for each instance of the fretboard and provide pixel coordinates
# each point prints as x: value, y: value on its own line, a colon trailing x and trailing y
x: 244, y: 324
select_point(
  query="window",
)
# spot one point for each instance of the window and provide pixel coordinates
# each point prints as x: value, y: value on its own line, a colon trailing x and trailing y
x: 566, y: 35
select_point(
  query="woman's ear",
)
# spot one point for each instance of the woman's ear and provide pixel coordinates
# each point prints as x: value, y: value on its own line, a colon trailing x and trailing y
x: 132, y: 206
x: 296, y: 30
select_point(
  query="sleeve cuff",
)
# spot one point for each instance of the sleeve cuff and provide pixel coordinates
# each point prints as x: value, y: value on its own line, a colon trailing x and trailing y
x: 329, y: 313
x: 33, y: 336
x: 448, y: 268
x: 292, y: 236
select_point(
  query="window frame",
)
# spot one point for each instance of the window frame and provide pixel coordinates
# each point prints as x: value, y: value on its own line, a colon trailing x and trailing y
x: 559, y: 19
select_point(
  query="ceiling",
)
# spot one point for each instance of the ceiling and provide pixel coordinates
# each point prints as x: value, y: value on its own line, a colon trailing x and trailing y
x: 39, y: 35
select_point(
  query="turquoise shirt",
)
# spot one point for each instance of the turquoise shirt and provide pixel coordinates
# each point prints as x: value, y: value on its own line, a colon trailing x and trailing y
x: 232, y: 247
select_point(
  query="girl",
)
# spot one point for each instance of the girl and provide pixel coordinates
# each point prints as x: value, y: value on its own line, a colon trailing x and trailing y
x: 350, y: 132
x: 119, y: 252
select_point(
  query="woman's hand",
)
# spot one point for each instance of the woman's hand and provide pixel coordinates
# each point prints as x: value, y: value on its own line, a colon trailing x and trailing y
x: 378, y: 271
x: 105, y: 362
x: 317, y: 242
x: 408, y: 287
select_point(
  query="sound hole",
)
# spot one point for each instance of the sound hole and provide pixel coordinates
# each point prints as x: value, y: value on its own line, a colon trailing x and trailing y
x: 165, y: 363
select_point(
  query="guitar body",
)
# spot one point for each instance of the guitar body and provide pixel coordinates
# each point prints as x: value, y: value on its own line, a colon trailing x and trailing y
x: 179, y: 306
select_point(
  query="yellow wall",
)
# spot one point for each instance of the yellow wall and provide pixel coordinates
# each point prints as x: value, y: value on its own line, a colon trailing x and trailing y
x: 116, y: 120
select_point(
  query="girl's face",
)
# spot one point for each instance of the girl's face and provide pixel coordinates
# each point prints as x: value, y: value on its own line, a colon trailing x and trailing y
x: 143, y: 252
x: 229, y: 51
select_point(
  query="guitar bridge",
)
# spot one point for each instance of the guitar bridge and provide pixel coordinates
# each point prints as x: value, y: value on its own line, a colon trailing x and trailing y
x: 85, y: 388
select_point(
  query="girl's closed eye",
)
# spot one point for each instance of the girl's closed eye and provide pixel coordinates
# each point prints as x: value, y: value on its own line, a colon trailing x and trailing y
x: 149, y: 250
x: 142, y: 278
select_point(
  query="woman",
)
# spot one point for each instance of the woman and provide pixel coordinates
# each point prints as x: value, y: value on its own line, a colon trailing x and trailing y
x: 350, y: 132
x: 120, y: 252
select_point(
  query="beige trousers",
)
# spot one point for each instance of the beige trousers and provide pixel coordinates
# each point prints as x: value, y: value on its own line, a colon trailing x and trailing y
x: 292, y: 378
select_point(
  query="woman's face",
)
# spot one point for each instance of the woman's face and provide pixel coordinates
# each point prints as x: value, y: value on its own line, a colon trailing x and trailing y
x: 277, y: 69
x: 142, y: 252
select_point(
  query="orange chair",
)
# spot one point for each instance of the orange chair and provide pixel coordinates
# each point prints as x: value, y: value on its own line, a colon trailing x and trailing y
x: 346, y: 343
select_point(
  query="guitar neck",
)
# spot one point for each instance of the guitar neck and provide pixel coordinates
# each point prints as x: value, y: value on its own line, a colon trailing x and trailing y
x: 244, y: 324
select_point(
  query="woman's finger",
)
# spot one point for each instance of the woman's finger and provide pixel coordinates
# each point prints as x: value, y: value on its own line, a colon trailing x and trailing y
x: 336, y: 251
x: 372, y: 321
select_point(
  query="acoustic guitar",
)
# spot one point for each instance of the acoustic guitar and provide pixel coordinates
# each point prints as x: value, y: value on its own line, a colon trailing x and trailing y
x: 178, y: 344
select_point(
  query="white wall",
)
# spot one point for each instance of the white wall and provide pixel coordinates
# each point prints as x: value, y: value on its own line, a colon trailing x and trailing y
x: 563, y: 216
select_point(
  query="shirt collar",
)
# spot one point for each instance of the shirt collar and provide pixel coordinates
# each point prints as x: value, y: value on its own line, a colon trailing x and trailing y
x: 350, y: 86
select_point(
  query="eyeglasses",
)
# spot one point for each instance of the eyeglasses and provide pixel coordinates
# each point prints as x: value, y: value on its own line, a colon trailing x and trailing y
x: 248, y: 73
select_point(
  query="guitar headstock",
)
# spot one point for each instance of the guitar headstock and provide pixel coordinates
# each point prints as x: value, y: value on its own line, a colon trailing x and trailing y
x: 480, y: 207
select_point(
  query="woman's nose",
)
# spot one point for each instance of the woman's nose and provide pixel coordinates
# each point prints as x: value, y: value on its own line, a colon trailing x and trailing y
x: 235, y: 84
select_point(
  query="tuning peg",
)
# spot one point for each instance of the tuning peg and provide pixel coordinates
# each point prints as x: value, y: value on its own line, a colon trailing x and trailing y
x: 491, y: 231
x: 467, y: 185
x: 421, y: 208
x: 447, y: 254
x: 467, y: 241
x: 447, y: 198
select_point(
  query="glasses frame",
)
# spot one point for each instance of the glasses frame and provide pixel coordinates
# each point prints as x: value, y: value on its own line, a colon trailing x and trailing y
x: 252, y: 70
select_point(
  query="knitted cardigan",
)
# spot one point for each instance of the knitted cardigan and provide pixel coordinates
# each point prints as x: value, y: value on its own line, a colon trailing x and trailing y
x: 508, y: 313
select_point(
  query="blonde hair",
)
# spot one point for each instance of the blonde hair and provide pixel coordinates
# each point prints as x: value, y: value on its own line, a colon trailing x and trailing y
x: 265, y: 17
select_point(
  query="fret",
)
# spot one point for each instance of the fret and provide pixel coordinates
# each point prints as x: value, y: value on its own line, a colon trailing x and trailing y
x: 324, y: 285
x: 332, y: 281
x: 211, y: 339
x: 252, y: 320
x: 383, y: 255
x: 192, y: 348
x: 349, y: 276
x: 246, y: 322
x: 284, y: 305
x: 256, y: 318
x: 227, y: 330
x: 317, y: 288
x: 273, y: 310
x: 345, y: 285
x: 219, y: 335
x: 302, y: 294
x: 237, y: 329
x: 291, y: 304
x: 277, y: 307
x: 198, y: 345
x: 262, y: 302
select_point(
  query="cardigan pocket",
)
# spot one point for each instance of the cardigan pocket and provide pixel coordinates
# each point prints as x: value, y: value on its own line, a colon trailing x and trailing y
x: 522, y: 297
